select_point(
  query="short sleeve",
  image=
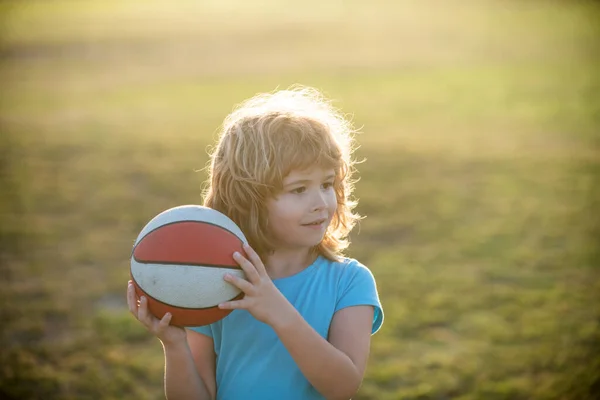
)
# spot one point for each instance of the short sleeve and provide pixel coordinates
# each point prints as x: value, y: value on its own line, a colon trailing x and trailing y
x: 357, y: 287
x: 205, y: 330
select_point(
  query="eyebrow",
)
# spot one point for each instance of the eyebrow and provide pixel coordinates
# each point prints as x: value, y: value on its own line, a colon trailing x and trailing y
x: 297, y: 181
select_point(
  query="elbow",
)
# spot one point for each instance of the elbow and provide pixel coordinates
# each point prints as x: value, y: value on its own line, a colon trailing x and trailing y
x: 344, y: 395
x: 348, y: 390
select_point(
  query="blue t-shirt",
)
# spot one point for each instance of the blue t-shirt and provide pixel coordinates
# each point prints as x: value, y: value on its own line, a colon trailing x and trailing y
x: 252, y: 363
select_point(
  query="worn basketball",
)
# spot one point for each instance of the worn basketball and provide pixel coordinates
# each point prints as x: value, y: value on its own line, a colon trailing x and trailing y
x: 179, y: 260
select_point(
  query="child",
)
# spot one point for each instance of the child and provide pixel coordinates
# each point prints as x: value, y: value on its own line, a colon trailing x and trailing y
x: 282, y: 170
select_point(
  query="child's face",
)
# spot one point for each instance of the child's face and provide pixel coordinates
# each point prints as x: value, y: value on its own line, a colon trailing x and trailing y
x: 298, y: 217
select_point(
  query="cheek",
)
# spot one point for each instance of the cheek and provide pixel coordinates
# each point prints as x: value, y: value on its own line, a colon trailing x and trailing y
x: 281, y: 212
x: 332, y: 201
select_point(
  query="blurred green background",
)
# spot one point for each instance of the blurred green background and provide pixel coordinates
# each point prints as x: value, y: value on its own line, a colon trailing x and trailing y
x: 480, y: 128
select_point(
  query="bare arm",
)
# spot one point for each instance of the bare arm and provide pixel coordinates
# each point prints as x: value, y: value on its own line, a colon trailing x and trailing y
x: 189, y: 356
x: 203, y: 353
x: 335, y: 367
x: 181, y: 376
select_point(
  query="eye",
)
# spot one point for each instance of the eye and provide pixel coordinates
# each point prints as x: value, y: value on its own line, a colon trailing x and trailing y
x: 327, y: 185
x: 298, y: 190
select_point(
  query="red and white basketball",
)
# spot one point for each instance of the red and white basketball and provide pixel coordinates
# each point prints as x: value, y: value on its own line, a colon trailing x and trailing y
x: 178, y: 262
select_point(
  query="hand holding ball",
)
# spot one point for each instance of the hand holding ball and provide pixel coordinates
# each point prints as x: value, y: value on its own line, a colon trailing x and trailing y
x: 179, y: 260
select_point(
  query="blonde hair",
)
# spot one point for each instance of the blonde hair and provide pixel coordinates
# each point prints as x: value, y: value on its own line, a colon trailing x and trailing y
x: 261, y: 142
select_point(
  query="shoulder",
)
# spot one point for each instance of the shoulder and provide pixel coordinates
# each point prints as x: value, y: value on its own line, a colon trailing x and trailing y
x: 357, y: 287
x: 348, y: 267
x: 345, y: 273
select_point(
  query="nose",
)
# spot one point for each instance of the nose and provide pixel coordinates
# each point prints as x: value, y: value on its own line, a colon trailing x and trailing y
x: 319, y: 202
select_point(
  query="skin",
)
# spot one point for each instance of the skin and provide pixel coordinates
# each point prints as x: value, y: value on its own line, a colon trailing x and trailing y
x: 334, y: 366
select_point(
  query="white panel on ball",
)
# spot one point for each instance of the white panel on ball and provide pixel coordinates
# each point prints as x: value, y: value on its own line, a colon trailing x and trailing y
x: 188, y: 286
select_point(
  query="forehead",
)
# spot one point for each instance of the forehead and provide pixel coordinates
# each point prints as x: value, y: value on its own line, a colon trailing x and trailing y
x: 311, y: 173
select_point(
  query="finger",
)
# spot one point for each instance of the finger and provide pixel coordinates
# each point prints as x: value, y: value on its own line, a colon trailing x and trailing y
x: 131, y: 299
x: 143, y: 313
x: 165, y: 321
x: 235, y: 305
x: 249, y: 268
x: 240, y: 283
x: 255, y: 259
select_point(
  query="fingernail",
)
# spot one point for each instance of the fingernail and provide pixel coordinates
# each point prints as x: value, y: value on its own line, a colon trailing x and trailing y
x: 236, y: 254
x: 227, y: 276
x: 143, y: 298
x: 246, y: 245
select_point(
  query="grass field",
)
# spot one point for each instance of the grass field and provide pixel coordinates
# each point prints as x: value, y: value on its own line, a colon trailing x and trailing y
x: 480, y: 129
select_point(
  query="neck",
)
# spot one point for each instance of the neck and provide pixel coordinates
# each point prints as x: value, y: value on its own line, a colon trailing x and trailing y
x: 286, y: 262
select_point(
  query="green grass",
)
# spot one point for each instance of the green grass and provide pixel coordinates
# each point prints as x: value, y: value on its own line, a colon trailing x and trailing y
x: 480, y: 130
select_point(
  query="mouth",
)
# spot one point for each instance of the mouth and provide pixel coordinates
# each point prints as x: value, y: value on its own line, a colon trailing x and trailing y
x: 316, y: 222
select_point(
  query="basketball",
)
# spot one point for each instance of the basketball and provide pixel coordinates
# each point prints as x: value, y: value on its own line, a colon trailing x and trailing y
x: 179, y: 260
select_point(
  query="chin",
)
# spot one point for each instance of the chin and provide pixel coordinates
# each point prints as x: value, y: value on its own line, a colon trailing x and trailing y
x: 306, y: 245
x: 315, y: 244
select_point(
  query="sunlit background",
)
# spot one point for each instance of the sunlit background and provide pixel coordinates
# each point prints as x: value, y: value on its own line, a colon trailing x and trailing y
x: 480, y: 125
